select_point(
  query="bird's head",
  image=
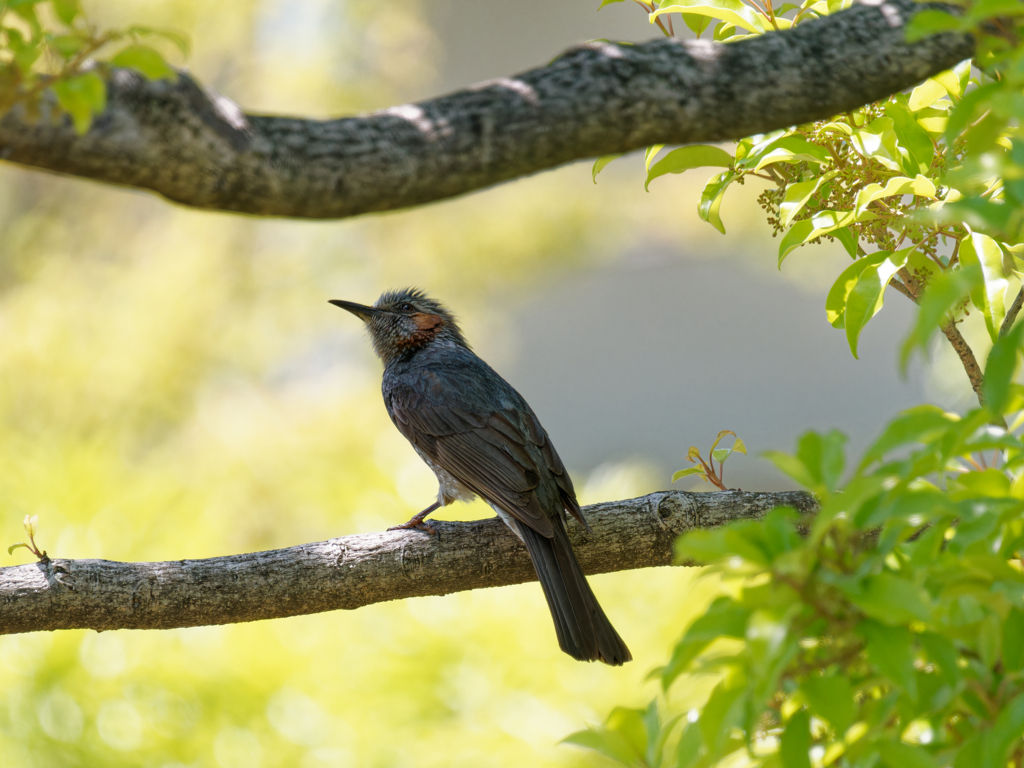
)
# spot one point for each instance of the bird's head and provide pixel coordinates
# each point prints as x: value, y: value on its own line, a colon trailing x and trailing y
x: 401, y: 322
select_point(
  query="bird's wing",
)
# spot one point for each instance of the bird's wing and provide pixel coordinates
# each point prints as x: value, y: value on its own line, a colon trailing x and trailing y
x: 487, y: 451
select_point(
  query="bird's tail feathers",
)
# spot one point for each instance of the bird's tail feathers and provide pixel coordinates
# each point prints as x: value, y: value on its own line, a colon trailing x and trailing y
x: 584, y: 632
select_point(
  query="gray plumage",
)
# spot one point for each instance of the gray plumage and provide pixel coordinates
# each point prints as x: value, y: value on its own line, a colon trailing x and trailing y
x: 481, y: 438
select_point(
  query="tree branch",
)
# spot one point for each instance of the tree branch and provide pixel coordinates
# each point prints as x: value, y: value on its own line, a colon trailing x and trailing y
x: 1011, y: 313
x: 200, y: 149
x: 352, y: 571
x: 966, y: 355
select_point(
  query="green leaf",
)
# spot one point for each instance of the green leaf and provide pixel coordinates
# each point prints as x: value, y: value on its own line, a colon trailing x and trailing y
x: 10, y: 549
x: 804, y: 231
x: 899, y: 185
x: 145, y: 60
x: 891, y: 651
x: 930, y: 22
x: 951, y: 81
x: 687, y: 472
x: 926, y: 94
x: 912, y: 137
x: 26, y: 9
x: 795, y: 744
x: 603, y: 160
x: 721, y: 434
x: 835, y: 302
x: 943, y: 294
x: 1013, y: 177
x: 897, y: 754
x: 685, y: 158
x: 830, y: 698
x: 1000, y: 369
x: 723, y: 618
x: 848, y: 240
x: 969, y: 754
x: 66, y: 10
x: 892, y: 600
x: 81, y: 97
x: 1005, y: 732
x: 697, y: 22
x: 787, y: 149
x: 1013, y: 647
x: 963, y: 113
x: 723, y: 712
x: 609, y: 745
x: 982, y: 251
x: 943, y: 655
x: 26, y: 52
x: 990, y: 640
x: 711, y: 199
x: 878, y: 140
x: 791, y: 466
x: 867, y: 295
x: 979, y: 214
x: 690, y: 744
x: 823, y: 454
x: 623, y: 737
x: 67, y: 45
x: 986, y: 9
x: 179, y: 40
x: 733, y: 11
x: 797, y: 196
x: 649, y: 154
x: 607, y: 2
x: 920, y: 424
x: 818, y: 463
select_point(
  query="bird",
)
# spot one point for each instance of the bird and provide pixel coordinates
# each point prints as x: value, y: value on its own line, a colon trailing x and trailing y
x: 481, y: 438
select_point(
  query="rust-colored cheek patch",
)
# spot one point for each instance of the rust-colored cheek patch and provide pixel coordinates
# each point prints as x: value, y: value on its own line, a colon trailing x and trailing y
x: 427, y: 326
x: 427, y: 322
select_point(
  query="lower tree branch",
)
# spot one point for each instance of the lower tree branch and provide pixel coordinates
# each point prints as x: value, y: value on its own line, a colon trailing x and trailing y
x: 202, y: 150
x: 352, y: 571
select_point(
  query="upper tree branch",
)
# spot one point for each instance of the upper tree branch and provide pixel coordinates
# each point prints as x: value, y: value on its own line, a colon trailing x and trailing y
x: 351, y: 571
x: 199, y: 149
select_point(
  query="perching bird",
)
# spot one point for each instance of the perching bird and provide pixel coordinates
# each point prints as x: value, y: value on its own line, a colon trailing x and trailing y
x: 480, y: 438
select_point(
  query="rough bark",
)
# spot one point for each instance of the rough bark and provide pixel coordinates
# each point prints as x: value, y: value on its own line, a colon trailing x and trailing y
x: 200, y: 149
x: 352, y: 571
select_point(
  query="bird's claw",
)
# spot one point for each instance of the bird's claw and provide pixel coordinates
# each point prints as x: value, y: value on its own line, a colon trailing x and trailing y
x: 419, y: 525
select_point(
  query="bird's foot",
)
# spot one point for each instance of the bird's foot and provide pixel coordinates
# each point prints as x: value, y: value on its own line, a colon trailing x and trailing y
x: 418, y: 521
x: 418, y: 524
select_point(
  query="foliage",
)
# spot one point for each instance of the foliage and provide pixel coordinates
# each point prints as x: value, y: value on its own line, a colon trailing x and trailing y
x: 914, y: 188
x: 49, y: 47
x: 888, y: 630
x: 706, y: 469
x: 31, y: 525
x: 884, y: 631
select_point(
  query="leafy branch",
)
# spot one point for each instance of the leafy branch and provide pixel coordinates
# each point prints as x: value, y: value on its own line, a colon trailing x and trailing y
x: 50, y: 46
x: 924, y: 191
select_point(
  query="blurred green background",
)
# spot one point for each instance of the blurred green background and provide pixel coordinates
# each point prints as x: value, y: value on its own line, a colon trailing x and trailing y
x: 174, y: 385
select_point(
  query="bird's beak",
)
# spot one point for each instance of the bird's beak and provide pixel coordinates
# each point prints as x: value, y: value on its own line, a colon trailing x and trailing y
x: 361, y: 311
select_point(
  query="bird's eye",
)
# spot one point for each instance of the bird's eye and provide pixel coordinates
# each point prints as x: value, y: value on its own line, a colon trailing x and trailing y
x: 407, y: 307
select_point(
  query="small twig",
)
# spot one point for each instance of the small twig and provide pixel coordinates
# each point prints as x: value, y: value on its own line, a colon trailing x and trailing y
x: 911, y: 283
x: 954, y: 258
x: 902, y: 289
x: 1011, y: 314
x: 966, y: 355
